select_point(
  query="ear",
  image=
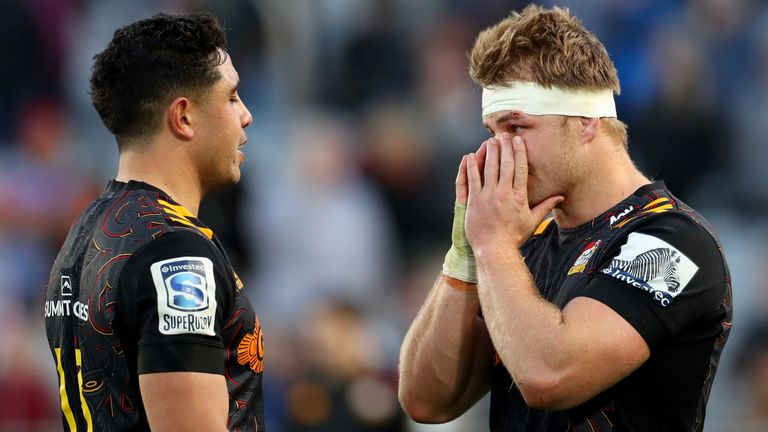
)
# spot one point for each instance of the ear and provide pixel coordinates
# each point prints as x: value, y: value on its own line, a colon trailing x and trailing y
x: 179, y: 118
x: 588, y: 128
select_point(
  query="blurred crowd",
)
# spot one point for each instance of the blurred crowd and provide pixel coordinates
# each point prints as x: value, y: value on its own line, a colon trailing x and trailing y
x: 361, y: 110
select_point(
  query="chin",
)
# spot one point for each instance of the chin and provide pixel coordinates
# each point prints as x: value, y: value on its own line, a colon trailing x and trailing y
x: 233, y: 178
x: 222, y: 181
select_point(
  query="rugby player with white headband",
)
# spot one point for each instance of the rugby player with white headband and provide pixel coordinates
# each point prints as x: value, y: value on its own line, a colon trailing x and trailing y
x: 608, y: 315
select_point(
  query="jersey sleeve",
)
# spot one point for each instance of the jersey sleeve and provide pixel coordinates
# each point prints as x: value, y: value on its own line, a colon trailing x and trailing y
x: 665, y: 276
x: 171, y: 300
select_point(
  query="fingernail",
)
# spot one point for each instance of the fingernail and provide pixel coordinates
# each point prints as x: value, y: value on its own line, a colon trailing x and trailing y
x: 517, y: 140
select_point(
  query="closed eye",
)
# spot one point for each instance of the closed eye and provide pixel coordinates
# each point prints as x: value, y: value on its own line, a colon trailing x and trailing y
x: 511, y: 128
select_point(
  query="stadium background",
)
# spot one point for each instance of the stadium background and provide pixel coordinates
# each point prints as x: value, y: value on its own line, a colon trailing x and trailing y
x: 361, y: 112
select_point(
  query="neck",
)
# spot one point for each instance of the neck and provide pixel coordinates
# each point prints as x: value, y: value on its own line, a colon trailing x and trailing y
x: 599, y: 190
x: 172, y: 173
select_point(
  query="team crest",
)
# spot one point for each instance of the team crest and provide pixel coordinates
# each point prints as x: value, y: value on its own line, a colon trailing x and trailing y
x: 186, y: 295
x: 581, y: 262
x: 250, y: 351
x: 652, y: 265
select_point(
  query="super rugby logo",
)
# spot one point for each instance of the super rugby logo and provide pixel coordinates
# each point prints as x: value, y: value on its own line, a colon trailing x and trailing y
x: 653, y: 265
x: 186, y: 295
x: 186, y: 289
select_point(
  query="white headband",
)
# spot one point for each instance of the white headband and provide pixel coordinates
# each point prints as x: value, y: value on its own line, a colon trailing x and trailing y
x: 534, y: 99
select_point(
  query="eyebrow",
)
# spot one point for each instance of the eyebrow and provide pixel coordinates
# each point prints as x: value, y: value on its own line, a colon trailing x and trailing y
x: 505, y: 117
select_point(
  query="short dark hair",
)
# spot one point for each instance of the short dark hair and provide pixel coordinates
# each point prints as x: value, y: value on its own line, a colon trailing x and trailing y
x: 148, y: 64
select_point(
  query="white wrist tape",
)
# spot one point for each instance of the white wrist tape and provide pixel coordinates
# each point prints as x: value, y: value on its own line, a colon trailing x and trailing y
x: 460, y: 260
x: 535, y: 99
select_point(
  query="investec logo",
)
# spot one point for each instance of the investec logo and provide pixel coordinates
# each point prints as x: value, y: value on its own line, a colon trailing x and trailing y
x: 652, y: 265
x: 664, y: 298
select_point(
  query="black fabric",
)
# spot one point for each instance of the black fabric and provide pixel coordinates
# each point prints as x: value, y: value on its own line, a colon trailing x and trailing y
x: 137, y: 304
x: 699, y: 300
x: 180, y: 357
x: 685, y: 324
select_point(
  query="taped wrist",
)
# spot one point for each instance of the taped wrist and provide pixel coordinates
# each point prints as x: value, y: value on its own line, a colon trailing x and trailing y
x: 460, y: 261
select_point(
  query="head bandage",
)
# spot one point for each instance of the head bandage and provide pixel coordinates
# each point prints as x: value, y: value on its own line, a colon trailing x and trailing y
x: 534, y: 99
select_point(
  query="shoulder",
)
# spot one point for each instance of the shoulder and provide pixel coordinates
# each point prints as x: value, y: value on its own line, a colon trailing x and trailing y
x: 177, y: 245
x: 676, y: 230
x: 176, y: 274
x: 669, y: 255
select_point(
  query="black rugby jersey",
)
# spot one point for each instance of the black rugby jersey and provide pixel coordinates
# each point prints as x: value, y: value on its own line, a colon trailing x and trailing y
x: 655, y: 262
x: 141, y: 286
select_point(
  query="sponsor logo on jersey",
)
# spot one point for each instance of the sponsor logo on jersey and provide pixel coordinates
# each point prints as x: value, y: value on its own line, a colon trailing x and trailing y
x: 65, y: 308
x: 652, y: 265
x: 659, y: 205
x: 186, y: 295
x: 66, y: 286
x: 581, y: 262
x: 617, y: 216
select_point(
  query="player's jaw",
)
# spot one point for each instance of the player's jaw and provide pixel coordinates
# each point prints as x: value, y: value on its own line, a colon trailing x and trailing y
x: 236, y: 159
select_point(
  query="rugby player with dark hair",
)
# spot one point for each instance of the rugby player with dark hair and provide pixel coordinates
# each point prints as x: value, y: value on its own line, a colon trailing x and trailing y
x: 146, y: 319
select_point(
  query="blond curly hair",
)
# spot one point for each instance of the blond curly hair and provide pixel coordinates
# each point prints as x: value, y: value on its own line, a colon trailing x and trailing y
x: 550, y: 47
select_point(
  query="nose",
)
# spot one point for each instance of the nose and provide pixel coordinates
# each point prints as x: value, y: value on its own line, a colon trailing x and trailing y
x: 246, y: 118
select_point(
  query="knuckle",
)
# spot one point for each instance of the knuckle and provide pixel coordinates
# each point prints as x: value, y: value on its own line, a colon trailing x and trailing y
x: 501, y: 193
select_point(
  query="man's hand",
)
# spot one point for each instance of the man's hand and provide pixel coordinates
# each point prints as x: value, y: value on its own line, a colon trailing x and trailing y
x: 497, y: 199
x: 462, y: 186
x: 459, y: 262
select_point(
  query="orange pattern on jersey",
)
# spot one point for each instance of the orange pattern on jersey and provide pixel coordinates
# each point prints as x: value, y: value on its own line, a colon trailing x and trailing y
x: 238, y: 283
x: 659, y: 205
x: 250, y: 351
x: 543, y: 226
x: 181, y: 215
